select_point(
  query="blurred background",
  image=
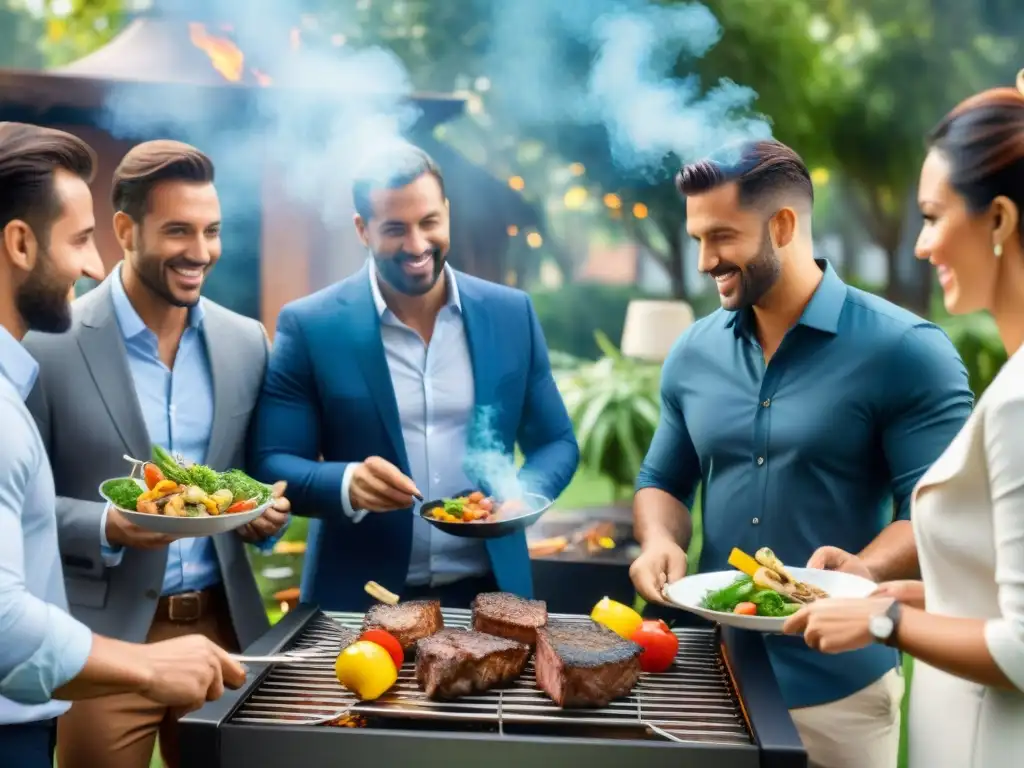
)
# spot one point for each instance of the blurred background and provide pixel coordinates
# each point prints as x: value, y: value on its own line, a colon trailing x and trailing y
x: 558, y: 126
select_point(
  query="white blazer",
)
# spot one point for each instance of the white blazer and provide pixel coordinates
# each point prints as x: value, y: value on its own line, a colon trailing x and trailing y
x: 968, y: 517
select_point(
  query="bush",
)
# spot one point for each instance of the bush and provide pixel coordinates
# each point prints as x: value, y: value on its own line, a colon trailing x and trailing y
x: 977, y: 340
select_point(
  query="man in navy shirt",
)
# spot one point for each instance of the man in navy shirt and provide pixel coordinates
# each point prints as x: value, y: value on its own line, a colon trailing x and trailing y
x: 807, y: 410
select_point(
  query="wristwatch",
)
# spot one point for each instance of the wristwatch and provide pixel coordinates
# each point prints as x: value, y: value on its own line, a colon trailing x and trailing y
x: 883, y: 626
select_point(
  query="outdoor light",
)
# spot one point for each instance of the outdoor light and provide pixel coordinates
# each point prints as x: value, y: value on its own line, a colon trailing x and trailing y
x: 652, y: 327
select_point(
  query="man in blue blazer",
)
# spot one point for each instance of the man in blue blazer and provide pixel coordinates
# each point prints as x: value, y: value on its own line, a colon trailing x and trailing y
x: 408, y: 379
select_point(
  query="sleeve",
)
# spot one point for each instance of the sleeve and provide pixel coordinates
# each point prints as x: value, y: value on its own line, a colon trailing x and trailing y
x: 43, y: 647
x: 545, y: 431
x: 928, y: 402
x: 1003, y: 427
x: 285, y: 442
x: 671, y: 464
x: 355, y: 515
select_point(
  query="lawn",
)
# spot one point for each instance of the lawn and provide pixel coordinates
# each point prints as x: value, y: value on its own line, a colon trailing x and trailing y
x: 586, y: 490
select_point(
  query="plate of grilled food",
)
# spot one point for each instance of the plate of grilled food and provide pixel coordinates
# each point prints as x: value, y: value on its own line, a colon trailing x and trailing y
x: 762, y: 592
x: 472, y: 514
x: 169, y: 495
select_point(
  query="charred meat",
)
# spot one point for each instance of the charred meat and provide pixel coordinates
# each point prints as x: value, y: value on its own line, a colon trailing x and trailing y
x: 460, y: 662
x: 584, y: 664
x: 408, y: 622
x: 507, y: 615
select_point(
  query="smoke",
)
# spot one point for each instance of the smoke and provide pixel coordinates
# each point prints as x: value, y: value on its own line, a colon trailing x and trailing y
x: 568, y: 64
x: 486, y: 464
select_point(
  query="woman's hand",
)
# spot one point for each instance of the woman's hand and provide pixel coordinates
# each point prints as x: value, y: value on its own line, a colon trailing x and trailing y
x: 907, y: 592
x: 837, y: 625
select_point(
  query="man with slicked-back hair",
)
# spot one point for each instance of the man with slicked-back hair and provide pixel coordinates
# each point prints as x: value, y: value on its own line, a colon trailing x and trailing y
x: 806, y: 410
x: 148, y: 360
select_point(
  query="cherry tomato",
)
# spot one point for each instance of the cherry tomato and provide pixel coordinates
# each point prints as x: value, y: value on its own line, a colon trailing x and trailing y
x: 388, y: 642
x: 152, y: 474
x: 659, y: 643
x: 745, y: 609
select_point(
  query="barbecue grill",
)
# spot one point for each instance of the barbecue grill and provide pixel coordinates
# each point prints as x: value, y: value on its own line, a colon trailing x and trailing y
x: 718, y: 705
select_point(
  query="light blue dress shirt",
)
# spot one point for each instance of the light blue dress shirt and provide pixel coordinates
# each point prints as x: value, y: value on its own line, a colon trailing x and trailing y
x: 434, y: 390
x: 177, y: 406
x: 41, y: 646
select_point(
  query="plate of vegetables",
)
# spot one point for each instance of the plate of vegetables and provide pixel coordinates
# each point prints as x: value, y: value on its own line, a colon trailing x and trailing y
x: 762, y: 592
x: 472, y: 514
x: 169, y: 495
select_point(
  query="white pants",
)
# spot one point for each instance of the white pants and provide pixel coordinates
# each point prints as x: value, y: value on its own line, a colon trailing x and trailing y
x: 860, y: 731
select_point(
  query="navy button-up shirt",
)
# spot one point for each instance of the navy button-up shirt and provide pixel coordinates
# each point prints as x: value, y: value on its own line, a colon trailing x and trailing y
x: 821, y: 446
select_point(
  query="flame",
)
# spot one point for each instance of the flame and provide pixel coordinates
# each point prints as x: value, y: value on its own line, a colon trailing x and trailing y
x: 224, y: 54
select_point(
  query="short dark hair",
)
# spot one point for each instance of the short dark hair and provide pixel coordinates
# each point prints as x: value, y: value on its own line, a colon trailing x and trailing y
x: 983, y: 140
x: 29, y: 156
x: 391, y: 168
x: 761, y: 169
x: 150, y: 163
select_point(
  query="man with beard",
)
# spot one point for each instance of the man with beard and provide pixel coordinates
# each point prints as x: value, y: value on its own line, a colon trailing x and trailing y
x: 409, y: 380
x: 46, y: 657
x: 149, y: 361
x: 806, y: 410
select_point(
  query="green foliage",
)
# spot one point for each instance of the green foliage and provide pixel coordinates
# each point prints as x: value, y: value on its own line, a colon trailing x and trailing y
x: 978, y: 342
x: 614, y: 406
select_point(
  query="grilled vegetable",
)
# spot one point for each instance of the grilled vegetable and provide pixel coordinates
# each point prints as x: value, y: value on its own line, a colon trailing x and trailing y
x: 388, y: 642
x: 223, y: 498
x: 152, y: 474
x: 619, y: 618
x: 745, y: 609
x: 240, y: 506
x: 366, y: 669
x: 726, y: 599
x: 659, y: 643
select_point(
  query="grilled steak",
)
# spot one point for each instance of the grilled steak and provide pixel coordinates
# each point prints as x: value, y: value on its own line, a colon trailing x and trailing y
x: 584, y: 664
x: 408, y: 622
x: 507, y: 615
x: 459, y: 662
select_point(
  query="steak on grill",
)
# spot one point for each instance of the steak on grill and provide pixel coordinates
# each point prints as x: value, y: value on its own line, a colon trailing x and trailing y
x: 584, y: 664
x: 459, y: 662
x: 408, y: 622
x: 507, y: 615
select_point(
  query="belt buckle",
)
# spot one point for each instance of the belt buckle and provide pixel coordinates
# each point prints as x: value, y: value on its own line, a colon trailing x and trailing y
x: 184, y: 608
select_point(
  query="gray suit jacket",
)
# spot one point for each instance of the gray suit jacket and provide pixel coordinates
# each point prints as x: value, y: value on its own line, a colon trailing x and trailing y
x: 89, y: 416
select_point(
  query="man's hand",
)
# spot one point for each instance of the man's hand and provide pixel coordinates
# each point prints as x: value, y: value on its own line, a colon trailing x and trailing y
x: 122, y: 533
x: 186, y: 672
x: 379, y: 486
x: 661, y: 562
x: 907, y: 592
x: 835, y: 559
x: 272, y: 520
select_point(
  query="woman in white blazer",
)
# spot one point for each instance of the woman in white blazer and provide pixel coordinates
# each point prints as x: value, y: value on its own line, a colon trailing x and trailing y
x: 964, y: 621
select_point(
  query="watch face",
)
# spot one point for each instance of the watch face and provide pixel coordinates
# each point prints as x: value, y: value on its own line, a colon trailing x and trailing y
x: 881, y: 627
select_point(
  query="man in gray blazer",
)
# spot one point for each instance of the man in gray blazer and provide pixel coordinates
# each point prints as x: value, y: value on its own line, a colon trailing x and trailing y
x: 148, y: 361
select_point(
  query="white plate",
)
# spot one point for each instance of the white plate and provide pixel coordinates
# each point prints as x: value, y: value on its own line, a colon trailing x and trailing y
x: 689, y: 593
x: 187, y: 526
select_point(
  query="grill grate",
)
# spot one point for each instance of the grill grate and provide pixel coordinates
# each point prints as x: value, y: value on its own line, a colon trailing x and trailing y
x: 692, y: 702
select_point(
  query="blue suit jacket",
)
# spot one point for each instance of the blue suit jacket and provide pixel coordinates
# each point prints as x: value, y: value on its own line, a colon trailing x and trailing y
x: 328, y: 394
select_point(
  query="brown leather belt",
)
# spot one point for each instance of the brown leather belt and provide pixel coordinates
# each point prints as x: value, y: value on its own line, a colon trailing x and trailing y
x: 190, y: 607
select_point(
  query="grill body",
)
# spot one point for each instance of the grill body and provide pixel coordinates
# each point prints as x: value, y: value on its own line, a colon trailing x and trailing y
x: 719, y: 705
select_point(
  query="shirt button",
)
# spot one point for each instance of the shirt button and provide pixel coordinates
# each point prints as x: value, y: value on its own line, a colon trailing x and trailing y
x: 755, y: 521
x: 760, y: 460
x: 766, y: 403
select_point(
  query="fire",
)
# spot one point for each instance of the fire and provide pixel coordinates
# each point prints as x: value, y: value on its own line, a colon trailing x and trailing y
x: 226, y: 57
x: 224, y: 54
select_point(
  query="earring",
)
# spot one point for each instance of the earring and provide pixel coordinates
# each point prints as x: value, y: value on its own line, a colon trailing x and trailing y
x: 997, y: 249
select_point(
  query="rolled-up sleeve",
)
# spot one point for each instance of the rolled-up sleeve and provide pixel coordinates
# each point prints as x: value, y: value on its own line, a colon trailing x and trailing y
x: 671, y: 463
x: 43, y: 647
x: 1004, y: 453
x: 929, y: 400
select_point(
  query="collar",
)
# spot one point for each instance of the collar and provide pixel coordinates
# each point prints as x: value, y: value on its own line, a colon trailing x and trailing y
x: 128, y: 319
x: 822, y: 311
x: 454, y: 300
x: 16, y: 364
